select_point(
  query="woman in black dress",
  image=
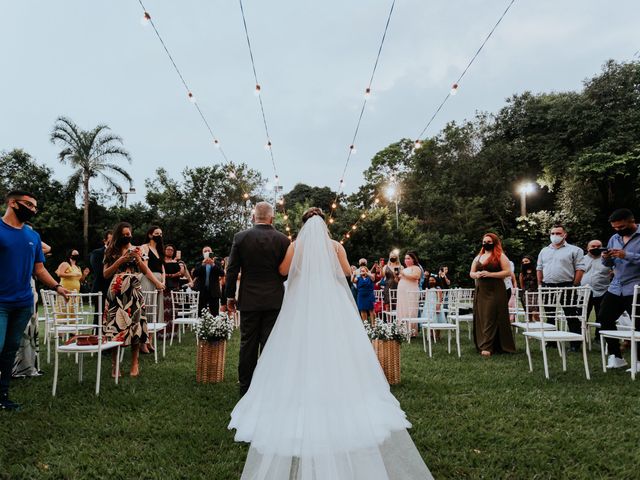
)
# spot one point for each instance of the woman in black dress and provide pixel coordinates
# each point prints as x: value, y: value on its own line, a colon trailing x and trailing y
x: 491, y: 327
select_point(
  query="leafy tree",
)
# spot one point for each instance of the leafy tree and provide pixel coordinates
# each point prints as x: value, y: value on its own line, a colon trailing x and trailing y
x: 91, y: 154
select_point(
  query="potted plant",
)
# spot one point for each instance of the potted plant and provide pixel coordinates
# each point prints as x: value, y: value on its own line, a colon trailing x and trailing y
x: 386, y: 339
x: 212, y: 334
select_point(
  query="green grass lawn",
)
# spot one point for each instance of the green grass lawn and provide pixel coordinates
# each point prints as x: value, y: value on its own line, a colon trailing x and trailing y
x: 472, y: 418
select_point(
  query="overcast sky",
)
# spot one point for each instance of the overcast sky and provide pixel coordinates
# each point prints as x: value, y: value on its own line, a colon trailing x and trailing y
x: 95, y: 63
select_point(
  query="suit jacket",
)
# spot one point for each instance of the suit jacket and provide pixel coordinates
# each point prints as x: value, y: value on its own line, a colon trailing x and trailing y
x: 257, y: 253
x: 96, y: 258
x: 200, y: 275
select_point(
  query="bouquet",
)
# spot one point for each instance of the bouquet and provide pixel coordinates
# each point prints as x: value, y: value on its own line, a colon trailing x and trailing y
x: 387, y: 331
x: 211, y: 329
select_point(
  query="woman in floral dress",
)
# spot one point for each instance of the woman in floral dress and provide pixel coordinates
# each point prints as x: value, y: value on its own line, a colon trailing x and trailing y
x: 124, y: 316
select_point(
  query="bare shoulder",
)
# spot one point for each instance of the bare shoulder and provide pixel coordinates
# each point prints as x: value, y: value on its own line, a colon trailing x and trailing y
x: 337, y: 246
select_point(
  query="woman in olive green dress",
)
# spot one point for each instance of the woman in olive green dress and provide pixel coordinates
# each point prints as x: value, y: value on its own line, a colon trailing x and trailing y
x: 491, y: 326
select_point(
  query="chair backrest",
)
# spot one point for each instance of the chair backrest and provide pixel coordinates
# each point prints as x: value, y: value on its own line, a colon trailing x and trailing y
x: 185, y: 304
x: 393, y: 299
x: 460, y: 299
x: 635, y: 315
x: 48, y: 297
x: 151, y: 305
x: 415, y: 299
x: 434, y: 302
x: 80, y: 310
x: 378, y: 295
x: 556, y: 304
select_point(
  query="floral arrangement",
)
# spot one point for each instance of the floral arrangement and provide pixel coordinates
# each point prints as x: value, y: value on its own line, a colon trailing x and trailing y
x: 211, y: 329
x: 387, y: 331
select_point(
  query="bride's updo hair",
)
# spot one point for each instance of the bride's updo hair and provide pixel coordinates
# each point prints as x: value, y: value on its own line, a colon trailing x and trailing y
x: 312, y: 212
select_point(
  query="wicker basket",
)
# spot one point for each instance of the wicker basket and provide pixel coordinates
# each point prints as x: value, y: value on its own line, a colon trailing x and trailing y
x: 210, y: 361
x: 388, y: 352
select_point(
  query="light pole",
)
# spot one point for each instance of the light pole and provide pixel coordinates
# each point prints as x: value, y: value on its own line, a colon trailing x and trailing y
x: 525, y: 189
x: 125, y: 195
x: 392, y: 193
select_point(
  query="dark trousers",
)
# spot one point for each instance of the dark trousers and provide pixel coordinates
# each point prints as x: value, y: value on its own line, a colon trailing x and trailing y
x: 572, y: 313
x: 13, y: 321
x: 611, y: 308
x: 594, y: 303
x: 255, y: 328
x: 206, y: 300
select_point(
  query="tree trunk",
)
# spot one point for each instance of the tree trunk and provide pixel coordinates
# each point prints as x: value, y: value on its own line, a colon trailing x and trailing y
x: 85, y: 217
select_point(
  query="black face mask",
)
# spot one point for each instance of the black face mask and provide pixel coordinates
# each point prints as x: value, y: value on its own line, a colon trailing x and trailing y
x: 157, y: 238
x: 595, y: 252
x: 393, y: 259
x: 23, y: 213
x: 122, y: 241
x: 75, y: 257
x: 487, y: 246
x: 626, y: 232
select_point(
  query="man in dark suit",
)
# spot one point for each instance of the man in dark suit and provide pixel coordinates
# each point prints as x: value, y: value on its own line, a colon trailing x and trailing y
x: 206, y: 277
x: 96, y: 258
x: 256, y: 254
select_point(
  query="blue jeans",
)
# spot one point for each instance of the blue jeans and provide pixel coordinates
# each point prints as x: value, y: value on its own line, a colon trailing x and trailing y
x: 13, y: 321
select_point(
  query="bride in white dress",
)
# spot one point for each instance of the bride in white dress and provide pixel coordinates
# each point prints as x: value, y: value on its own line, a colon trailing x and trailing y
x: 319, y: 406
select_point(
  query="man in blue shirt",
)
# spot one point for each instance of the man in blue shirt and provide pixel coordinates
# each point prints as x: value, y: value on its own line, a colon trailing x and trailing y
x: 623, y: 254
x: 20, y: 257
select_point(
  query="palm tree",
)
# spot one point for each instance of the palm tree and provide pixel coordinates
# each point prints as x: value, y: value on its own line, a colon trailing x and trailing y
x: 90, y: 153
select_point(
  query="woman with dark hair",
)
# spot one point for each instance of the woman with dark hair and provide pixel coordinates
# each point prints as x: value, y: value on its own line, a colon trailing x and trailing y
x: 491, y: 326
x: 174, y: 270
x: 408, y: 284
x: 153, y: 256
x: 125, y: 315
x: 528, y: 283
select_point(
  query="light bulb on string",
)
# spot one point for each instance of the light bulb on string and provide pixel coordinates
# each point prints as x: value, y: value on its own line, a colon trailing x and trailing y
x: 348, y: 235
x: 192, y: 98
x: 376, y: 201
x: 334, y: 206
x: 280, y: 202
x: 367, y: 93
x: 290, y: 237
x: 245, y: 196
x: 288, y: 229
x: 267, y: 146
x: 146, y: 19
x: 417, y: 145
x: 352, y: 149
x: 341, y: 242
x: 331, y: 220
x: 286, y: 217
x: 277, y: 179
x: 216, y: 142
x: 353, y: 227
x: 257, y: 90
x: 454, y: 89
x: 364, y: 215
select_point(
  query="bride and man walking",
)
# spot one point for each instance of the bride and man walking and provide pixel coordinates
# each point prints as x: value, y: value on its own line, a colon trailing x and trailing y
x: 316, y: 405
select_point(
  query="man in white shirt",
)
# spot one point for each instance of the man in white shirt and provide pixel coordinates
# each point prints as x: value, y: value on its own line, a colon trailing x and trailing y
x: 597, y: 276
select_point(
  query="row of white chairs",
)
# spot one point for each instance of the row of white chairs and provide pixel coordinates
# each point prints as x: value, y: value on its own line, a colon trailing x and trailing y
x: 82, y: 313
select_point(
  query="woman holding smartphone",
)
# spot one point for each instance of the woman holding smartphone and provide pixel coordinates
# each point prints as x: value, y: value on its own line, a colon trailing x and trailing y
x: 125, y: 315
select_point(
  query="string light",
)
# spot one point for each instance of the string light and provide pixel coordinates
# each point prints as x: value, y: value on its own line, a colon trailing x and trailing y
x: 417, y: 145
x: 286, y: 217
x: 145, y: 20
x: 267, y: 146
x: 353, y: 227
x: 367, y: 93
x: 454, y: 89
x: 334, y: 206
x: 257, y: 90
x: 192, y: 99
x: 352, y: 147
x: 216, y: 143
x: 331, y: 220
x: 363, y: 216
x: 245, y: 196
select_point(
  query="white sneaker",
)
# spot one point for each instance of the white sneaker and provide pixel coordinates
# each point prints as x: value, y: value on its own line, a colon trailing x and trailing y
x: 615, y: 362
x: 637, y: 368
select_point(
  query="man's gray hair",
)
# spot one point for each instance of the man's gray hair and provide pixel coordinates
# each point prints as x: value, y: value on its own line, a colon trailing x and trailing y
x: 263, y: 212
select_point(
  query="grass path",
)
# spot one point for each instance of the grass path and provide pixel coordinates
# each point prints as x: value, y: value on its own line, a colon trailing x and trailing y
x: 472, y: 418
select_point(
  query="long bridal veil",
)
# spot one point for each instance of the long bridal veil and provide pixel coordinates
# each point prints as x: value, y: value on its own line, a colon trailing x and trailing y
x: 319, y: 406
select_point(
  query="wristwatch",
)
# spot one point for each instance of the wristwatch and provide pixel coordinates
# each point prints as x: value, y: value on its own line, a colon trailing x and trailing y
x: 57, y: 286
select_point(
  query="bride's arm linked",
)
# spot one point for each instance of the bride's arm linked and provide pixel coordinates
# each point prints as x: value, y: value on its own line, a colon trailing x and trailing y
x: 285, y: 265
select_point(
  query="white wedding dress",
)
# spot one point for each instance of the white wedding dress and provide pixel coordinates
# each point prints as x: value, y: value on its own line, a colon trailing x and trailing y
x: 319, y: 406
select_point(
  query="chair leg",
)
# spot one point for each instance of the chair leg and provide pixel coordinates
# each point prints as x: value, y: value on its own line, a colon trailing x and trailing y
x: 429, y: 335
x: 79, y: 357
x: 634, y: 358
x: 528, y: 350
x: 173, y: 330
x: 564, y: 356
x: 469, y: 329
x: 424, y: 340
x: 155, y: 345
x: 180, y: 327
x: 99, y: 369
x: 458, y: 341
x: 164, y: 343
x: 55, y: 374
x: 604, y: 364
x: 449, y: 341
x: 584, y: 357
x: 544, y: 359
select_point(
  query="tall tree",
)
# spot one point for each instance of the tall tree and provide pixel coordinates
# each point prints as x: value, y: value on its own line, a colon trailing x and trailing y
x: 91, y: 153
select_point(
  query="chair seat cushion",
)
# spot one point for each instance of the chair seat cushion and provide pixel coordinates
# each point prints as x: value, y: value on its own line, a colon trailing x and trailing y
x: 555, y: 336
x: 621, y: 334
x: 72, y: 347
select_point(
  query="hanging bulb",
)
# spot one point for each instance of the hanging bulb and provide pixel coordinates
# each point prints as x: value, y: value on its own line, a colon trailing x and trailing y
x: 341, y: 242
x: 367, y: 93
x: 277, y: 179
x: 376, y: 201
x: 331, y: 220
x: 145, y: 20
x: 353, y: 227
x: 286, y: 217
x: 352, y: 149
x: 280, y: 202
x: 348, y: 235
x: 256, y: 92
x: 454, y: 89
x: 290, y: 237
x: 246, y: 195
x: 267, y: 146
x: 288, y: 229
x: 364, y: 215
x: 417, y: 145
x: 192, y: 99
x: 216, y: 142
x: 334, y: 206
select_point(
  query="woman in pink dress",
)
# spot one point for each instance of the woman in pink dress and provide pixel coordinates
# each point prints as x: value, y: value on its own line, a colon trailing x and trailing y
x: 407, y: 286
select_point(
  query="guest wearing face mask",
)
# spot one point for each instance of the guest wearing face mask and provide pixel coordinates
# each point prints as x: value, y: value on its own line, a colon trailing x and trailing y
x: 528, y: 281
x: 597, y: 276
x: 207, y: 277
x: 491, y: 326
x: 70, y: 276
x: 152, y: 254
x: 366, y: 299
x: 125, y: 314
x: 562, y: 265
x: 391, y: 273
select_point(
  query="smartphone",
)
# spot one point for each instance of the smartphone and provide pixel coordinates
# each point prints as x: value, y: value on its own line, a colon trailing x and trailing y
x: 178, y: 255
x: 210, y: 255
x: 396, y: 270
x: 600, y: 250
